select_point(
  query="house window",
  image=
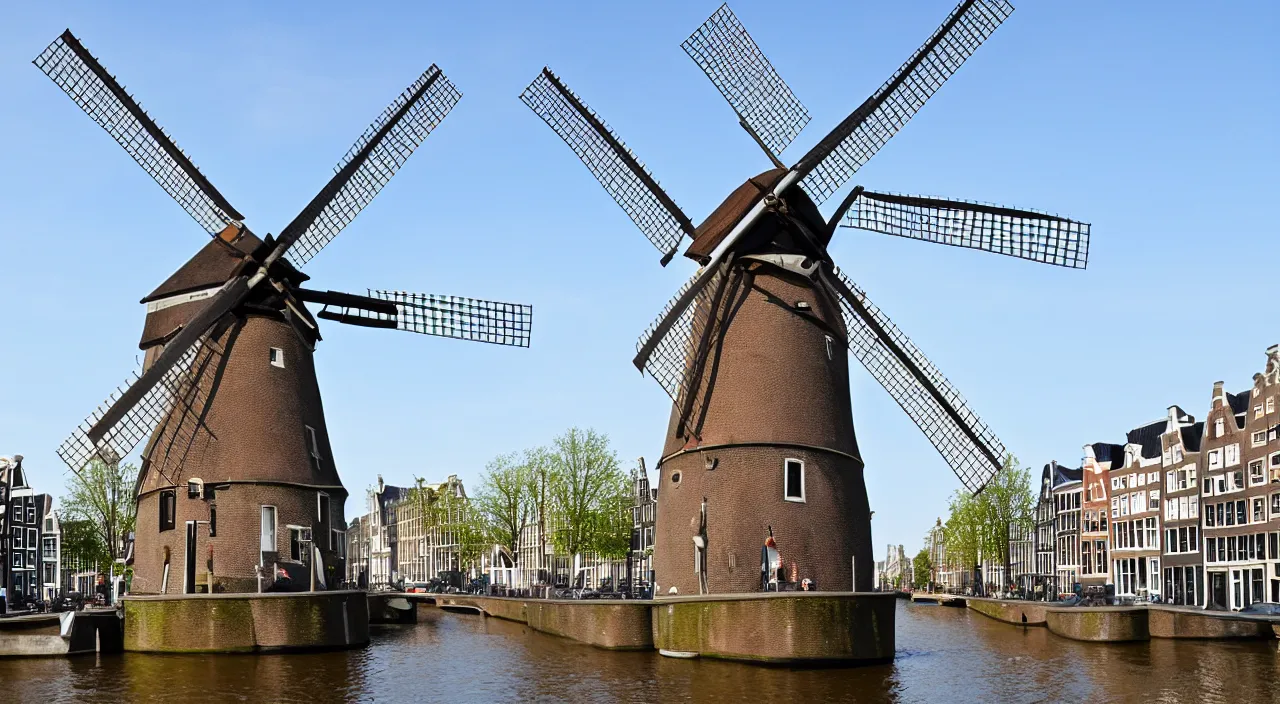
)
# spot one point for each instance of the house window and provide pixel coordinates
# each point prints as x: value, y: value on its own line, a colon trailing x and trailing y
x: 1259, y: 437
x: 1259, y: 514
x: 1218, y: 428
x: 793, y: 479
x: 1233, y: 454
x: 168, y: 509
x: 1257, y: 411
x: 1271, y: 404
x: 268, y: 534
x: 299, y: 543
x: 1275, y: 505
x: 277, y: 357
x: 1155, y: 501
x: 1215, y: 459
x: 338, y: 538
x: 1256, y: 475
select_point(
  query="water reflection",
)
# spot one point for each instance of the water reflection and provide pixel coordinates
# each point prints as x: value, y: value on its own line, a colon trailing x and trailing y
x: 944, y: 654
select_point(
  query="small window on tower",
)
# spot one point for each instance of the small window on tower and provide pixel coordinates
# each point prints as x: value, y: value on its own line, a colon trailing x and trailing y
x: 168, y: 509
x: 793, y: 471
x: 277, y: 357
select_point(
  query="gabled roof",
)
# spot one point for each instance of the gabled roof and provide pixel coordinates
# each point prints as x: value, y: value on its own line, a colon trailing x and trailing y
x: 1065, y: 475
x: 1108, y: 452
x: 1191, y: 436
x: 1239, y: 402
x: 1148, y: 437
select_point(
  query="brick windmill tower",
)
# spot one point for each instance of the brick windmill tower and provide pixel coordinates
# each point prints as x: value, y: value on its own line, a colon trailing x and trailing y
x: 761, y: 440
x: 238, y: 474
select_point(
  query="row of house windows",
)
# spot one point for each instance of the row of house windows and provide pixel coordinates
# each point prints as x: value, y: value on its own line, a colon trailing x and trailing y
x: 1095, y: 521
x: 1237, y: 513
x: 1137, y: 502
x: 1230, y: 453
x: 1139, y: 534
x: 1235, y: 548
x: 1181, y: 540
x: 1093, y: 552
x: 1228, y: 483
x: 1181, y: 508
x: 1133, y: 481
x: 1181, y: 478
x: 23, y: 506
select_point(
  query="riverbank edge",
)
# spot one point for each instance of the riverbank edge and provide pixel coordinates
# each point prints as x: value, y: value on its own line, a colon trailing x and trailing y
x: 1118, y: 624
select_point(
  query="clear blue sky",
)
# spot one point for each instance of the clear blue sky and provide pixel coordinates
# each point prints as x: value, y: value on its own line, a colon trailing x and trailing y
x: 1154, y: 121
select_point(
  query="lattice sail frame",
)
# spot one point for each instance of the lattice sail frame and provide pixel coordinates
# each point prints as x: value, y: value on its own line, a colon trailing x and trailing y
x: 834, y: 160
x: 424, y: 115
x: 457, y: 317
x: 614, y: 165
x: 1026, y: 234
x: 733, y: 61
x: 971, y: 464
x: 180, y: 386
x: 673, y: 362
x: 104, y: 100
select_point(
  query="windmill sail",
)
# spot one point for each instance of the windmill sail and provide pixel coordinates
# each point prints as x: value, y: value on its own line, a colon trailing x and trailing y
x: 370, y: 164
x: 178, y: 386
x: 933, y: 404
x: 1025, y: 234
x: 103, y: 99
x: 733, y: 61
x: 833, y: 161
x: 444, y: 316
x: 613, y: 164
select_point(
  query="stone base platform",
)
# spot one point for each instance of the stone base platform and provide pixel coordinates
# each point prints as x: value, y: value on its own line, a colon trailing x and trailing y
x: 70, y: 633
x: 789, y: 628
x: 1016, y: 612
x: 243, y: 623
x: 1174, y: 622
x: 612, y: 624
x: 1109, y: 624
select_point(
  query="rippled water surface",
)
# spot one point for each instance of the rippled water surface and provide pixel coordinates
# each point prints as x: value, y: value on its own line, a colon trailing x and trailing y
x: 943, y: 655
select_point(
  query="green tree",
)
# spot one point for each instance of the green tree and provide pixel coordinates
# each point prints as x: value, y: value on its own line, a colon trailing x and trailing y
x: 1007, y: 503
x: 101, y: 497
x: 582, y: 491
x: 442, y: 509
x: 503, y: 501
x: 922, y: 569
x: 964, y: 530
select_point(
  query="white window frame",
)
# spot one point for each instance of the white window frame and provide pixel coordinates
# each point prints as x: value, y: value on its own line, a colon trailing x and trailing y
x: 1271, y: 404
x: 1262, y: 472
x: 1215, y: 459
x: 785, y: 464
x: 1258, y: 438
x: 1257, y: 411
x: 276, y: 357
x: 1219, y: 427
x: 1231, y: 455
x: 339, y: 538
x: 275, y: 530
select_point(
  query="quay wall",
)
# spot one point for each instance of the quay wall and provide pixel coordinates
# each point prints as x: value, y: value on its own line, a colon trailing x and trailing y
x: 605, y: 623
x: 1019, y: 613
x: 1183, y: 623
x: 230, y: 623
x: 780, y: 628
x: 1110, y: 624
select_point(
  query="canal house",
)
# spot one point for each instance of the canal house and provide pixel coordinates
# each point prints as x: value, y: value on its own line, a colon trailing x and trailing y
x: 1231, y: 528
x: 1067, y: 501
x: 1183, y: 559
x: 1095, y: 531
x: 1135, y: 514
x: 1262, y: 462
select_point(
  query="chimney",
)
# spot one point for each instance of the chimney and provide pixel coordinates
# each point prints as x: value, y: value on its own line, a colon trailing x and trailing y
x: 1273, y: 359
x: 1219, y: 396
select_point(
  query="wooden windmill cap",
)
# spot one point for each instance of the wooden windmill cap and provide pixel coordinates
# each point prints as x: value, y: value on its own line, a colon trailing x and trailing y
x: 723, y: 219
x: 211, y: 266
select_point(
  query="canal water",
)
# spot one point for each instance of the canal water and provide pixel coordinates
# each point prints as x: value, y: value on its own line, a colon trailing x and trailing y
x: 943, y: 655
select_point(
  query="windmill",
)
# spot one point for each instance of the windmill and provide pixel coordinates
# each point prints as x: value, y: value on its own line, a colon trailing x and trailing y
x: 227, y: 393
x: 761, y: 431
